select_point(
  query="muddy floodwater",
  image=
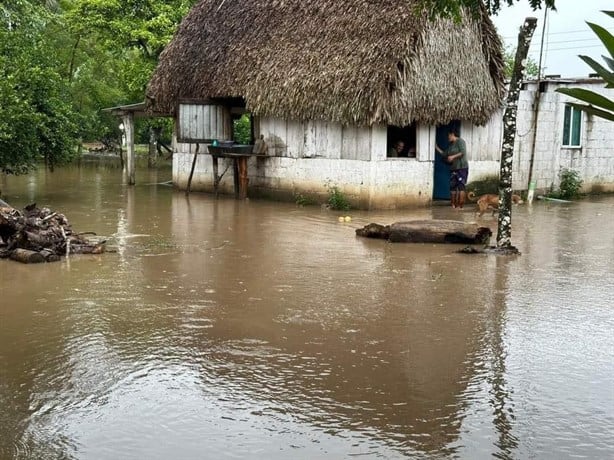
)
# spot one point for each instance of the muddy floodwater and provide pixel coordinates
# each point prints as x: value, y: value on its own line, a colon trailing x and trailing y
x: 226, y: 329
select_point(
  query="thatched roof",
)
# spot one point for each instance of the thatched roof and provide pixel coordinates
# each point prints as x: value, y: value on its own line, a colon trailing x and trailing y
x: 349, y: 61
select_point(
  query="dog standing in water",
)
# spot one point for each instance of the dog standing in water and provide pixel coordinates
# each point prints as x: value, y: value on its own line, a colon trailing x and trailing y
x: 490, y: 200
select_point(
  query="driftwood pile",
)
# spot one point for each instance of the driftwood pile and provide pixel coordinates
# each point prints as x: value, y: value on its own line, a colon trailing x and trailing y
x: 37, y: 235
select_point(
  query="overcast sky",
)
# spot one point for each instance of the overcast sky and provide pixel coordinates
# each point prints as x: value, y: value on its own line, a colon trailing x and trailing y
x: 567, y: 33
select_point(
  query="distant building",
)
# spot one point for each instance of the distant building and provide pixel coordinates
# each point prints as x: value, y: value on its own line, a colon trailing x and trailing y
x: 332, y: 88
x: 565, y: 138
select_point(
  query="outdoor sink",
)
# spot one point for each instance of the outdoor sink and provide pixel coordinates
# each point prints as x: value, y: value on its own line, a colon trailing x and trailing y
x: 230, y: 149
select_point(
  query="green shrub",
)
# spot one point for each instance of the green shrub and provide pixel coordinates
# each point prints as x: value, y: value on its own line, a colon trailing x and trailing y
x: 570, y: 184
x: 336, y: 199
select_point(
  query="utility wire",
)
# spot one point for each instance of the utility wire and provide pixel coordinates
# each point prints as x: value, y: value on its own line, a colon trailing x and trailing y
x: 561, y: 33
x: 569, y: 48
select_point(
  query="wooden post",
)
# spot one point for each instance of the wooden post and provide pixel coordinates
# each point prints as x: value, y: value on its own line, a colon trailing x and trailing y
x: 129, y: 171
x: 216, y: 176
x: 243, y: 179
x: 152, y: 160
x: 504, y: 228
x: 530, y: 184
x: 235, y: 176
x: 121, y: 151
x: 187, y: 190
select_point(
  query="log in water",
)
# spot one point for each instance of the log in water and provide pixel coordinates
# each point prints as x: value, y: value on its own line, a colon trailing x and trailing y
x: 25, y: 256
x: 428, y: 231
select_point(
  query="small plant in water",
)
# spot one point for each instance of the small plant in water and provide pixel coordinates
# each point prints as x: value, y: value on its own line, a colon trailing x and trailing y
x: 570, y: 184
x: 304, y: 200
x: 336, y: 198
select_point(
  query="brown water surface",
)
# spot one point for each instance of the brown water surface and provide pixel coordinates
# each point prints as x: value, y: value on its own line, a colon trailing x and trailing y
x: 227, y: 329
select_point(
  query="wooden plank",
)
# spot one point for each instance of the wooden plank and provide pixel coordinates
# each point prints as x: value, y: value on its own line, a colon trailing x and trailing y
x: 335, y: 140
x: 227, y: 132
x: 363, y: 144
x: 198, y: 126
x: 181, y: 120
x: 348, y: 142
x: 379, y: 142
x: 281, y: 137
x: 296, y: 138
x: 219, y: 116
x: 310, y: 139
x: 266, y: 131
x: 321, y: 139
x: 203, y: 123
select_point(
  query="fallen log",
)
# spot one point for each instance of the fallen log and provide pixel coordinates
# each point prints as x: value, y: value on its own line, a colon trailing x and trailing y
x: 428, y: 231
x: 49, y: 255
x: 25, y: 256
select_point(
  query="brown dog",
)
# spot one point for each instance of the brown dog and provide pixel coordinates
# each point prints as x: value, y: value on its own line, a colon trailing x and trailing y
x: 490, y: 201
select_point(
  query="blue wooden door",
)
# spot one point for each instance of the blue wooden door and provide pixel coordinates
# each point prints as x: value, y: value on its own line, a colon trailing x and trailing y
x: 441, y: 179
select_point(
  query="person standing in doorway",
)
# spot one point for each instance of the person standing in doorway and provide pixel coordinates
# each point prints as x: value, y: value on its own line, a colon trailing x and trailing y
x: 456, y: 155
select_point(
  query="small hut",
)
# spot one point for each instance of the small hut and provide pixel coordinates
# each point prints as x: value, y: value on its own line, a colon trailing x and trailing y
x: 333, y: 86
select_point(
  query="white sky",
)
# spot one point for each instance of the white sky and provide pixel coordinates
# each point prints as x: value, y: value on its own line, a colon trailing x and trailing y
x: 567, y: 33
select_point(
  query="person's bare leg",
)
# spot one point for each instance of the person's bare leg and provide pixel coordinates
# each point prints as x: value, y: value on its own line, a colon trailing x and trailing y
x: 461, y: 199
x: 454, y: 199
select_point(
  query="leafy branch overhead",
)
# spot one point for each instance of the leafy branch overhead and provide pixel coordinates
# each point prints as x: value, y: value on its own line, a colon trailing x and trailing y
x: 590, y: 101
x: 452, y: 8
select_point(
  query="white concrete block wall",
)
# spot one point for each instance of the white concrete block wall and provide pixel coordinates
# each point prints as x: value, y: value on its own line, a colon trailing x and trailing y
x: 594, y: 160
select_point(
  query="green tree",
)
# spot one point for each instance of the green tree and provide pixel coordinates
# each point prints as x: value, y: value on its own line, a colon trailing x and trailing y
x: 453, y: 7
x: 592, y: 102
x: 531, y: 69
x: 134, y: 31
x: 242, y: 128
x: 112, y: 48
x: 36, y: 119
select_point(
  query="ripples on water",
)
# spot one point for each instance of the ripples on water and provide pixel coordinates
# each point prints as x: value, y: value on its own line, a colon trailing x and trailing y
x: 223, y: 329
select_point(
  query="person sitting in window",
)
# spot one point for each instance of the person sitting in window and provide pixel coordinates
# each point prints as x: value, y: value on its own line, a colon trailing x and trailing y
x: 397, y: 150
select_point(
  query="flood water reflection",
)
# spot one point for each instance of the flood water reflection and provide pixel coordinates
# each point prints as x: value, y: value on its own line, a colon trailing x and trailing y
x: 227, y: 329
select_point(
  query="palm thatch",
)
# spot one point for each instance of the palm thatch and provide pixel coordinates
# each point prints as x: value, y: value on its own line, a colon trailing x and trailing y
x: 350, y: 61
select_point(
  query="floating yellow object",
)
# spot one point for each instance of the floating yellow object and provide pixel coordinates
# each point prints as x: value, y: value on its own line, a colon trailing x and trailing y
x: 340, y: 218
x: 348, y: 219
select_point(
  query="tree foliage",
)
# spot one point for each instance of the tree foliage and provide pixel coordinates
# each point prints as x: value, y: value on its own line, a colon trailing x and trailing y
x: 61, y: 61
x: 452, y: 8
x: 531, y: 69
x: 134, y: 31
x: 37, y: 121
x: 592, y: 102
